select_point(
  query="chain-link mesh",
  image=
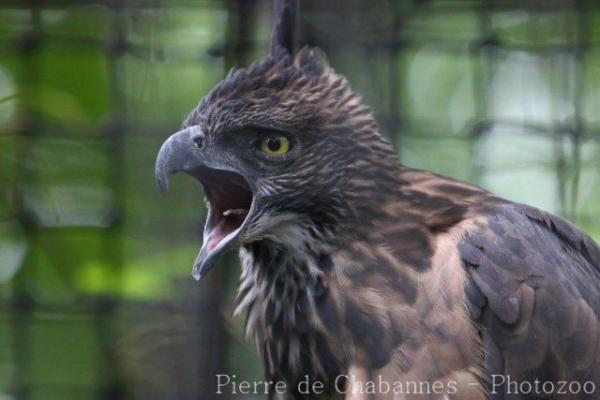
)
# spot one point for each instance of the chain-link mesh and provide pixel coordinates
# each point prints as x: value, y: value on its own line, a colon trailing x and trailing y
x: 96, y: 297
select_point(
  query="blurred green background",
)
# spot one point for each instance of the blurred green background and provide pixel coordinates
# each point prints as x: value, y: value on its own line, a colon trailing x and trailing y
x: 96, y: 296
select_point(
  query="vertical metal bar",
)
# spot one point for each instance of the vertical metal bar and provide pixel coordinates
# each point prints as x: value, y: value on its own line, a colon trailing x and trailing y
x: 104, y: 311
x: 484, y: 50
x: 23, y: 304
x: 562, y: 60
x: 395, y: 119
x: 583, y: 32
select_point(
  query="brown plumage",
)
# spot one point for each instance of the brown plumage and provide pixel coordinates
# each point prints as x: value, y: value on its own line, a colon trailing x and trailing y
x: 357, y: 269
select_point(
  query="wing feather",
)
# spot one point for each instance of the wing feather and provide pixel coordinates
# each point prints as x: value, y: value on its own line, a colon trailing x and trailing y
x: 533, y: 290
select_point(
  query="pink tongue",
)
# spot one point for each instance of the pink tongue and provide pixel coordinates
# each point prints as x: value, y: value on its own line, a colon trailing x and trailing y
x: 217, y: 234
x: 224, y: 227
x: 212, y: 243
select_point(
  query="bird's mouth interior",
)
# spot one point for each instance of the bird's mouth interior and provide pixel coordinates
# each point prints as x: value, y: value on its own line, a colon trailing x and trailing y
x: 230, y: 198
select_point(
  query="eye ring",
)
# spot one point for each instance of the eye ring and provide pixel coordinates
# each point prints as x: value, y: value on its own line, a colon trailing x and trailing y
x: 275, y: 145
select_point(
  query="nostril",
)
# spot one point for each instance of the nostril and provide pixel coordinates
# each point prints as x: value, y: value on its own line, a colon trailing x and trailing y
x: 199, y: 141
x: 197, y: 137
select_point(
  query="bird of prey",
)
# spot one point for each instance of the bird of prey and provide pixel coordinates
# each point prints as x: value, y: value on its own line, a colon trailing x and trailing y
x: 358, y: 271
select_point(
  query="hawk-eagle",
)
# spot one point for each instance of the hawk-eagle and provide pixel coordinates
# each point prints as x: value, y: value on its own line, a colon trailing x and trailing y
x: 358, y: 269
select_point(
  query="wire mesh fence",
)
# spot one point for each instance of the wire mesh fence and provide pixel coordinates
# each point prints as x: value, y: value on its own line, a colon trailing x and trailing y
x: 96, y: 297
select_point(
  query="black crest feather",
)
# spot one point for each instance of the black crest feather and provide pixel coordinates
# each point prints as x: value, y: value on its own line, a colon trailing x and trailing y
x: 284, y: 23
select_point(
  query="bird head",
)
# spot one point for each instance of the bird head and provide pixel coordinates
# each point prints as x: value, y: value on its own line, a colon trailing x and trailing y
x: 278, y: 147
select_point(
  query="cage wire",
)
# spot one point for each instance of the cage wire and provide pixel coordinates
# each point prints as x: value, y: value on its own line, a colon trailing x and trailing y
x: 373, y: 43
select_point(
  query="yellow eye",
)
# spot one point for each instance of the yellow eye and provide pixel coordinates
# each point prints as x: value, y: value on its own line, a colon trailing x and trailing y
x: 275, y: 145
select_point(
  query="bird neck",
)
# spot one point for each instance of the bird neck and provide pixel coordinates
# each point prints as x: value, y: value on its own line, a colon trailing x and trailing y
x: 280, y: 270
x: 280, y: 285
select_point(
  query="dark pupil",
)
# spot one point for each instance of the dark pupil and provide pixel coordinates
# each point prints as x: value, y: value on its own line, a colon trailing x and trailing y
x: 273, y: 144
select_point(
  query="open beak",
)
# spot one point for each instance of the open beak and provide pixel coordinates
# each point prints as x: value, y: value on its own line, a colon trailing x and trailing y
x: 229, y: 196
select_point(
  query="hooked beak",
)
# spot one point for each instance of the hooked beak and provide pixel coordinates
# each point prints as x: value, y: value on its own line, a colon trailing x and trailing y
x: 229, y: 196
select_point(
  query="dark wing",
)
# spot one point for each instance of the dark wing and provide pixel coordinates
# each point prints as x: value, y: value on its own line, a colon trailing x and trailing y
x: 533, y: 289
